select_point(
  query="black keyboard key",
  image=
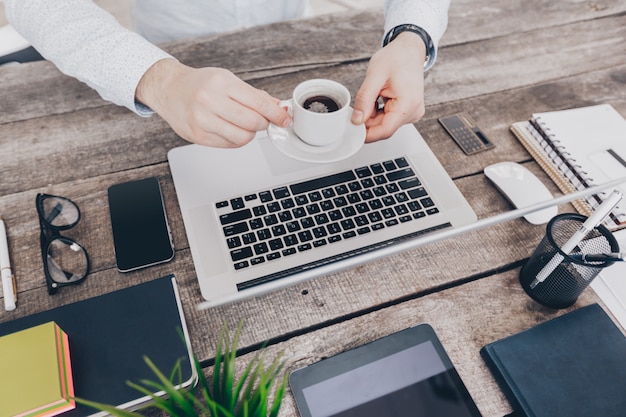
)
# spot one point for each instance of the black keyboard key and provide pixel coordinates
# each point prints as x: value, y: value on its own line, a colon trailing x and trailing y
x: 417, y: 193
x: 401, y: 162
x: 414, y: 206
x: 313, y: 208
x: 287, y: 203
x: 299, y: 212
x: 400, y: 174
x: 273, y: 256
x: 362, y: 208
x: 347, y: 224
x: 315, y: 196
x: 335, y: 215
x: 265, y: 196
x: 256, y: 224
x: 319, y: 232
x: 353, y: 198
x: 363, y: 172
x: 377, y: 168
x: 305, y: 236
x: 302, y: 200
x: 235, y: 229
x: 405, y: 219
x: 237, y: 203
x: 427, y: 202
x: 307, y: 222
x: 293, y: 227
x: 285, y: 216
x: 273, y: 207
x: 251, y: 197
x: 375, y: 204
x: 388, y: 201
x: 348, y: 235
x: 321, y: 219
x: 319, y: 243
x: 380, y: 179
x: 375, y: 217
x: 241, y: 265
x: 378, y: 226
x: 256, y: 261
x: 363, y: 230
x: 348, y: 211
x: 368, y: 183
x: 327, y: 205
x: 433, y: 210
x: 276, y: 244
x: 281, y: 192
x: 341, y: 189
x: 221, y: 204
x: 379, y: 191
x: 233, y: 242
x: 279, y: 230
x: 319, y: 183
x: 328, y: 193
x: 366, y: 194
x: 355, y: 186
x: 419, y: 215
x: 401, y: 197
x: 388, y: 213
x: 391, y: 222
x: 259, y: 211
x: 289, y: 251
x: 340, y: 201
x: 248, y: 238
x: 335, y: 238
x: 401, y: 209
x: 392, y: 188
x: 304, y: 247
x: 361, y: 220
x: 270, y: 219
x: 235, y: 216
x: 290, y: 240
x: 241, y: 253
x: 261, y: 248
x: 333, y: 228
x: 264, y: 234
x: 389, y: 165
x: 409, y: 183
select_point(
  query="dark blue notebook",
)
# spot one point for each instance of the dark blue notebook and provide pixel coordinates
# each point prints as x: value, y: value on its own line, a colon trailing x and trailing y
x: 109, y: 336
x: 571, y: 366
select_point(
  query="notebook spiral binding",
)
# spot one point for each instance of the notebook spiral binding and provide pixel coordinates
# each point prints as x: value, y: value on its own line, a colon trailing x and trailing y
x: 566, y: 173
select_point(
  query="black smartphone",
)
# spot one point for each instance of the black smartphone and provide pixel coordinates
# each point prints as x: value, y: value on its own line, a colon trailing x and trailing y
x: 141, y: 234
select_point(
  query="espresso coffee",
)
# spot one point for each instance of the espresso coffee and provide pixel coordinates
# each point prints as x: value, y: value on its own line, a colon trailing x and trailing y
x: 321, y: 104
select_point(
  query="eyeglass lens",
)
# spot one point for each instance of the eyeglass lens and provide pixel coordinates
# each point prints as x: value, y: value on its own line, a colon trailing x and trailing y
x: 59, y: 212
x: 67, y: 261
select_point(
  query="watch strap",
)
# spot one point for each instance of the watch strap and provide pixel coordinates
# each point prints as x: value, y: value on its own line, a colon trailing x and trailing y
x: 393, y: 33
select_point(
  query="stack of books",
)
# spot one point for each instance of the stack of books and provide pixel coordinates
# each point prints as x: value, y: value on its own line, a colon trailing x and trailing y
x: 35, y: 372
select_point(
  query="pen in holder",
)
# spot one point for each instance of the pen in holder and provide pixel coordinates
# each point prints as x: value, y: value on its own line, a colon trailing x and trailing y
x: 565, y: 275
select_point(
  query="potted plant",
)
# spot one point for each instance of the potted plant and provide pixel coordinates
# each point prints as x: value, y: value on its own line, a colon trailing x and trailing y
x: 221, y: 396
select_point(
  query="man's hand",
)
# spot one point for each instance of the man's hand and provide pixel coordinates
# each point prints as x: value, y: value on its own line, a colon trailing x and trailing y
x: 395, y: 73
x: 208, y: 106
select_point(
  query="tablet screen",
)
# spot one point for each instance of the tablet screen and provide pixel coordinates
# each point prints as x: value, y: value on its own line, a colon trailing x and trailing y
x: 405, y: 374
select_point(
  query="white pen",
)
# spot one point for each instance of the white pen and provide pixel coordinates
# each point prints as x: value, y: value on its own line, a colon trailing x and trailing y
x: 591, y: 223
x: 8, y: 282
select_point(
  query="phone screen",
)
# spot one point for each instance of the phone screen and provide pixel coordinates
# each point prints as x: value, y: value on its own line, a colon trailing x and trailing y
x: 141, y: 235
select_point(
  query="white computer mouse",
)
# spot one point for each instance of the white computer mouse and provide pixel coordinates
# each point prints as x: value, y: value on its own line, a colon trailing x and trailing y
x: 522, y: 188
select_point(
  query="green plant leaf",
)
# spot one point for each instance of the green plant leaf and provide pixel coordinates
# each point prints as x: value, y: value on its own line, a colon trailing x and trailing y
x: 117, y: 412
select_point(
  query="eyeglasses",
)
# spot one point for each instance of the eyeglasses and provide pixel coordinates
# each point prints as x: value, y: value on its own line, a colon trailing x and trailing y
x: 65, y: 261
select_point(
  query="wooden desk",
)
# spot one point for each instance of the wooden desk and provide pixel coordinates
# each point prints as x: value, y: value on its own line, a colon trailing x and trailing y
x: 498, y: 61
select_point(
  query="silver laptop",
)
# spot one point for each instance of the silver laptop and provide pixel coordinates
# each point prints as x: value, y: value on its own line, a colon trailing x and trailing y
x: 258, y: 220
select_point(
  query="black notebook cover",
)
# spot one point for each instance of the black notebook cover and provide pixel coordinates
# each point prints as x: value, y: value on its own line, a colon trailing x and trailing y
x: 110, y: 334
x: 571, y: 366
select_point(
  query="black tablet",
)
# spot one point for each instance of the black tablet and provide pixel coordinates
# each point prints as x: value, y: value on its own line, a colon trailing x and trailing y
x: 404, y: 374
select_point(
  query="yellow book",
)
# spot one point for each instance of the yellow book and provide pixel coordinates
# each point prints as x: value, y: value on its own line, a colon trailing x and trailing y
x: 35, y: 372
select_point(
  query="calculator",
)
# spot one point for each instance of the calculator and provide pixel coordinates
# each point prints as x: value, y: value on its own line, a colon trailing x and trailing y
x: 465, y: 133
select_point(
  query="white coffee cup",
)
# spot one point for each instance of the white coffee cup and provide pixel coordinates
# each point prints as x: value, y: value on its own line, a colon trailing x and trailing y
x: 324, y: 123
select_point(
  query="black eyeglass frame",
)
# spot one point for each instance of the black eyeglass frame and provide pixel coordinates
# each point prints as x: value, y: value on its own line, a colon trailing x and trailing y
x: 49, y: 233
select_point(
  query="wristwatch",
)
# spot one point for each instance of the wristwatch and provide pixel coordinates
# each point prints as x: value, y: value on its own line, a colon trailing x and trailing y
x: 393, y: 33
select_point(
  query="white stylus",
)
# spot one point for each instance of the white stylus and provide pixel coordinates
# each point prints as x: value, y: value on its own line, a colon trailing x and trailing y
x: 8, y: 284
x: 592, y: 222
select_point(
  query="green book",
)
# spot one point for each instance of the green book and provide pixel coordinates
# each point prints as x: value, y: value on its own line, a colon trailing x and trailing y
x: 35, y: 372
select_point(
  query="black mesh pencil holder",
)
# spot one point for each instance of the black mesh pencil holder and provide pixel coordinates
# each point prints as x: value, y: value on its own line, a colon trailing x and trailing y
x: 566, y: 279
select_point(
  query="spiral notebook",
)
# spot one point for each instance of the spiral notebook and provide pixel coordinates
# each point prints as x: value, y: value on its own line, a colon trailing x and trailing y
x: 579, y: 148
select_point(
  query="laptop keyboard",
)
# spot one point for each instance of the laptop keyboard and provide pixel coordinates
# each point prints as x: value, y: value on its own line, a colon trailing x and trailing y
x: 283, y: 221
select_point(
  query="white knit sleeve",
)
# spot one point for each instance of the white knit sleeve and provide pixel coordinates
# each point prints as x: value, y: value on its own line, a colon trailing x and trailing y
x: 87, y: 43
x: 430, y: 15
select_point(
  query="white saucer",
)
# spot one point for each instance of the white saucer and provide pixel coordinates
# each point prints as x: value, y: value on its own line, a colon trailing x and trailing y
x: 286, y: 141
